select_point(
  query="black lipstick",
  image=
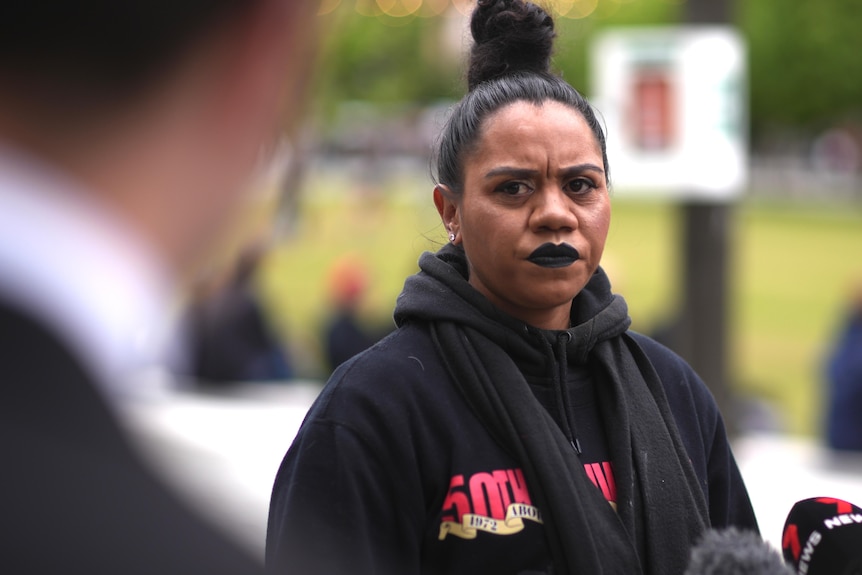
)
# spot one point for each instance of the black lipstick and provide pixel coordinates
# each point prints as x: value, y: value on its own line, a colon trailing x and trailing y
x: 554, y: 256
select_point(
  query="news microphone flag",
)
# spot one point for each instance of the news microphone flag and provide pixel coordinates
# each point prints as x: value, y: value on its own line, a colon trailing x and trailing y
x: 823, y: 536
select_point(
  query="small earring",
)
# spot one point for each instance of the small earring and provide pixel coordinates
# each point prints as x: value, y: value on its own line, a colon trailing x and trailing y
x: 451, y: 236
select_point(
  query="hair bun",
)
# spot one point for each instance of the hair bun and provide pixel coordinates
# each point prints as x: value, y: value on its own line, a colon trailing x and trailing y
x: 509, y: 36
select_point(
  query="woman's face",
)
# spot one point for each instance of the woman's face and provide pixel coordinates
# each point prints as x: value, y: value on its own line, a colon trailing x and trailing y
x: 535, y: 211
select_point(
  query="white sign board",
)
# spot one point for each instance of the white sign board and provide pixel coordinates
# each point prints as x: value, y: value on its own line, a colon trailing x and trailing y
x: 674, y: 102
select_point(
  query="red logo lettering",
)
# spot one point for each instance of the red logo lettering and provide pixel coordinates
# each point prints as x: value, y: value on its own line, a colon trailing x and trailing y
x: 485, y: 494
x: 456, y: 499
x: 790, y: 540
x: 602, y: 476
x: 843, y: 506
x: 519, y: 486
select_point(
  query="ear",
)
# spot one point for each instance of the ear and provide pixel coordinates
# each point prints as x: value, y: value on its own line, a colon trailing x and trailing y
x: 444, y: 200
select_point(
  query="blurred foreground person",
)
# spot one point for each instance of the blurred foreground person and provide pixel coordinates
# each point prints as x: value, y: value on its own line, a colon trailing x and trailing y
x: 127, y: 132
x: 512, y: 423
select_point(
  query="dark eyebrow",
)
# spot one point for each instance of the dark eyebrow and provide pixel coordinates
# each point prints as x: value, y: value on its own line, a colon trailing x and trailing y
x: 580, y: 168
x: 525, y: 173
x: 511, y: 172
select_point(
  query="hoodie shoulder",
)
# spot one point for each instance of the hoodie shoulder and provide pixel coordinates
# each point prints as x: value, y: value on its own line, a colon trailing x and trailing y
x: 676, y: 375
x: 692, y: 403
x: 407, y: 351
x: 402, y: 366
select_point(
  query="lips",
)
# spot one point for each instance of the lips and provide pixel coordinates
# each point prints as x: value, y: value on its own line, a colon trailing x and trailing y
x: 554, y: 255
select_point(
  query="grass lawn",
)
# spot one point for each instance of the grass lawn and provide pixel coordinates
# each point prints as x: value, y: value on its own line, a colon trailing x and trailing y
x: 791, y: 270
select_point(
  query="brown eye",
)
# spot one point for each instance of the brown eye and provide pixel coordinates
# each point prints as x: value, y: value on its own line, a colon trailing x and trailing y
x: 514, y: 188
x: 580, y: 186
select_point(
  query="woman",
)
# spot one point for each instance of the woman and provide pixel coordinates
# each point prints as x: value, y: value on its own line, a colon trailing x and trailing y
x: 513, y: 423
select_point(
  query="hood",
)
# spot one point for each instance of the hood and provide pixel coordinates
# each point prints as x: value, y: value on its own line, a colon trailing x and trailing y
x: 440, y: 292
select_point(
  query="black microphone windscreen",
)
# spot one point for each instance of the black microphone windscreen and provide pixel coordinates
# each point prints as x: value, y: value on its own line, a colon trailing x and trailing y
x: 823, y: 536
x: 734, y: 552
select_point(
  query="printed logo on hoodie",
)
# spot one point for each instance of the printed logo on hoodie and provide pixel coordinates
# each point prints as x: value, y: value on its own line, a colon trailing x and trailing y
x: 498, y: 502
x: 494, y: 502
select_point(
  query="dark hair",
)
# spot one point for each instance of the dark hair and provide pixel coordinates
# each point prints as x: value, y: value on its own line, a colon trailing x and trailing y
x: 96, y: 52
x: 509, y: 62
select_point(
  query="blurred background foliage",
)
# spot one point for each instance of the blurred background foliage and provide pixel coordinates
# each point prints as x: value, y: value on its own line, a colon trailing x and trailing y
x: 804, y: 63
x: 803, y: 56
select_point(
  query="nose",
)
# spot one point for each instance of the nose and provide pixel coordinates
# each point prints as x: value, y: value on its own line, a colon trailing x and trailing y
x: 552, y: 210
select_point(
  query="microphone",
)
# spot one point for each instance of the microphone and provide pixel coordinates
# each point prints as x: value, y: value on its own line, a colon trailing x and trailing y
x: 823, y: 536
x: 732, y: 551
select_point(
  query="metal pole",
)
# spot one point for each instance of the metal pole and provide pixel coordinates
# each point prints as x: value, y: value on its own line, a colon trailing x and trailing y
x: 704, y: 327
x: 707, y: 11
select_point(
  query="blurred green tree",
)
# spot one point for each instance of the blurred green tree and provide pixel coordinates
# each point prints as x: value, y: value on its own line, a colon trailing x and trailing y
x: 802, y: 57
x: 804, y: 60
x: 385, y: 60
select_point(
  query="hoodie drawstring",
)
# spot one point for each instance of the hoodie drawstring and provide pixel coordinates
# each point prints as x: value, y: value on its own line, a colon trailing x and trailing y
x: 562, y: 391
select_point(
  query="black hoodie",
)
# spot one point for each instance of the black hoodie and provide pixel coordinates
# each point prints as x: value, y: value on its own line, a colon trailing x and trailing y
x: 394, y: 472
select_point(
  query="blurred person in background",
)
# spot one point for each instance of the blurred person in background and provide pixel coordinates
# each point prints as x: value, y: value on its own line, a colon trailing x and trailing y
x: 345, y: 334
x: 512, y: 423
x: 844, y: 379
x: 128, y: 131
x: 232, y: 339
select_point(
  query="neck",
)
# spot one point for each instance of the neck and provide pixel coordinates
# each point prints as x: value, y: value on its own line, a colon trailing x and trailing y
x: 557, y: 319
x: 553, y: 319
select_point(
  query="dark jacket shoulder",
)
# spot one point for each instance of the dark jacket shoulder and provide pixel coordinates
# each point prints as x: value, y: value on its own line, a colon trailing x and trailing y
x: 76, y: 496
